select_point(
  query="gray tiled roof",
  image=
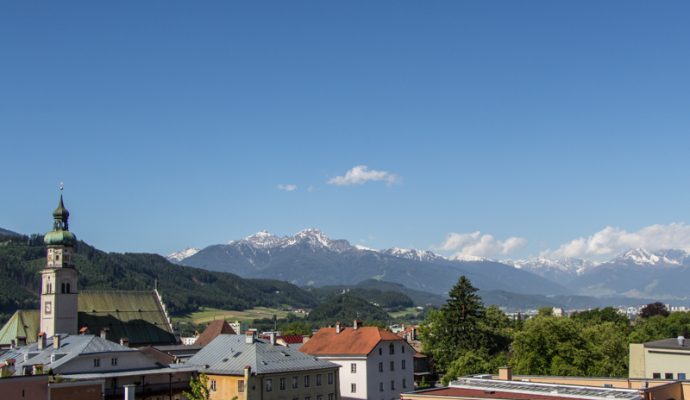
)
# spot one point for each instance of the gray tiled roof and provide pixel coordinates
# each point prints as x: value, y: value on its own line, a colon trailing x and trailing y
x: 71, y: 346
x: 229, y: 354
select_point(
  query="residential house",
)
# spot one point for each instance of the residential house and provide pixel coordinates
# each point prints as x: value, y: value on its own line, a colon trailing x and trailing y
x: 249, y: 368
x: 376, y: 363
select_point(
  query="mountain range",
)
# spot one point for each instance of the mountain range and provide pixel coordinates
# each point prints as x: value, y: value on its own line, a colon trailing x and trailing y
x: 310, y: 258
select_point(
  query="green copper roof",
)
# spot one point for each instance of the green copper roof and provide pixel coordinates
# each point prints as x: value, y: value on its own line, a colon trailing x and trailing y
x: 135, y: 315
x: 24, y: 323
x: 61, y: 211
x: 60, y: 235
x: 55, y: 238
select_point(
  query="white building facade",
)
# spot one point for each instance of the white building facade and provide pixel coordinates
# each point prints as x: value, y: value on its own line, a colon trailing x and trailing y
x: 375, y: 363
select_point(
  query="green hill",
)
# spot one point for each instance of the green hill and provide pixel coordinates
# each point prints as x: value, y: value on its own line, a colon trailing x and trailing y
x: 346, y: 308
x: 184, y: 289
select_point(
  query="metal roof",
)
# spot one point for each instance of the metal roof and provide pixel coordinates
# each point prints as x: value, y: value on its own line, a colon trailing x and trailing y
x: 547, y: 389
x: 669, y: 344
x: 23, y: 323
x: 71, y: 346
x: 229, y: 354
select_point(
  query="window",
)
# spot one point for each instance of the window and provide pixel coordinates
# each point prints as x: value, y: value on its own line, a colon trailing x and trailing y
x: 331, y: 396
x: 318, y: 380
x: 391, y: 348
x: 380, y: 351
x: 295, y: 382
x: 96, y: 362
x: 656, y: 375
x: 68, y: 291
x: 353, y: 368
x: 213, y: 385
x: 113, y: 361
x: 380, y: 386
x: 668, y: 375
x: 306, y: 380
x: 240, y: 386
x: 404, y: 383
x: 380, y: 367
x: 307, y: 397
x: 392, y: 365
x: 319, y: 397
x: 403, y: 364
x: 392, y: 385
x: 282, y: 383
x: 269, y: 385
x: 62, y: 288
x: 681, y: 376
x: 330, y: 378
x: 353, y: 388
x: 402, y: 348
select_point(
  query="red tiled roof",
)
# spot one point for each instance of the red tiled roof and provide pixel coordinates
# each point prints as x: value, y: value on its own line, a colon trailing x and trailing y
x: 451, y: 392
x: 293, y: 339
x: 214, y: 329
x: 349, y: 341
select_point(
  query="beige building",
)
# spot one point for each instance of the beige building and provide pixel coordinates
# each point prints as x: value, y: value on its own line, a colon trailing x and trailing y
x: 660, y: 359
x: 248, y: 368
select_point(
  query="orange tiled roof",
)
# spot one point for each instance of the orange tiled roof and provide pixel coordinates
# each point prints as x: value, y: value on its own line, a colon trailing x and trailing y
x: 349, y: 341
x: 214, y: 329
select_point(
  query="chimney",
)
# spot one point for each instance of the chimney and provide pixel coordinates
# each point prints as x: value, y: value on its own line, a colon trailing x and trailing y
x: 56, y: 342
x: 124, y: 342
x: 13, y: 344
x: 681, y: 341
x: 41, y: 341
x: 505, y: 373
x: 247, y: 374
x: 104, y: 333
x: 249, y: 337
x: 355, y: 324
x: 305, y: 338
x: 337, y: 327
x: 272, y: 337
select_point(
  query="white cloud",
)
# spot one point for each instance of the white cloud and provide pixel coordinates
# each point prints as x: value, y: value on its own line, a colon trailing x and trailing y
x: 287, y: 187
x: 361, y: 174
x: 476, y: 244
x: 611, y: 241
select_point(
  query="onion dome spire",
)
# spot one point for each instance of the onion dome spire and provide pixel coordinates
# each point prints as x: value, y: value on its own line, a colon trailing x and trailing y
x: 60, y: 235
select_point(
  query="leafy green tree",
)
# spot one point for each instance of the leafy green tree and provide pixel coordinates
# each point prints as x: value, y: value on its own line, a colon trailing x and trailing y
x: 660, y: 327
x: 550, y: 346
x: 599, y: 315
x: 198, y: 387
x: 464, y: 328
x: 653, y: 309
x: 474, y: 362
x: 296, y: 328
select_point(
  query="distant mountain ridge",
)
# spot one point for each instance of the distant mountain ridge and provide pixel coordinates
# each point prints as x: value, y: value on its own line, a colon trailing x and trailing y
x: 311, y: 258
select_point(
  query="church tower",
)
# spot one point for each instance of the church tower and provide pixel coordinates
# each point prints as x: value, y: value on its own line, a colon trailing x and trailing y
x: 59, y: 278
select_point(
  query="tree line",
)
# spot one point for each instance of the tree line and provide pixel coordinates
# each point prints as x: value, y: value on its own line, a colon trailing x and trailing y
x: 465, y: 337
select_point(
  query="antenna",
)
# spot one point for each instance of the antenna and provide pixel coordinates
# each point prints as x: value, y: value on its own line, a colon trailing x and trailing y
x: 62, y: 186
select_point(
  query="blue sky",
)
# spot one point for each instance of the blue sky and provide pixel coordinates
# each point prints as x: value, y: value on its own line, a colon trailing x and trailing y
x: 172, y: 124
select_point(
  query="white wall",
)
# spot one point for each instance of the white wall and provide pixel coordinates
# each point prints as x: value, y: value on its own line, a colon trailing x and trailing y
x: 397, y: 375
x: 368, y: 377
x: 125, y: 361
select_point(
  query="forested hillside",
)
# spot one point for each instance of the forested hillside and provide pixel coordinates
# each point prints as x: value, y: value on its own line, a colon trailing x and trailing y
x: 184, y: 289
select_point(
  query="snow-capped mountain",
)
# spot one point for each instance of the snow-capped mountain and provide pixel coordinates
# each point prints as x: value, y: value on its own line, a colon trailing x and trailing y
x: 562, y: 271
x: 668, y: 257
x: 182, y: 254
x: 310, y: 257
x: 413, y: 254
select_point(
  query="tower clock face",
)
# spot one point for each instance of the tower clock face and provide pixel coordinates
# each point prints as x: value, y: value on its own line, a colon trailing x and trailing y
x: 48, y: 307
